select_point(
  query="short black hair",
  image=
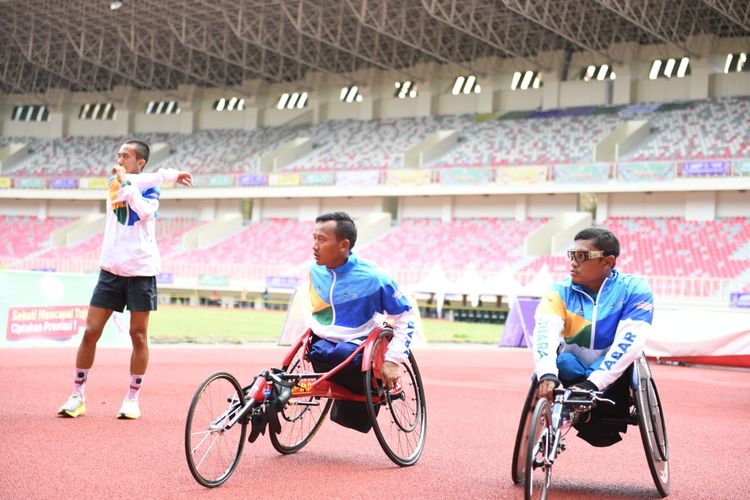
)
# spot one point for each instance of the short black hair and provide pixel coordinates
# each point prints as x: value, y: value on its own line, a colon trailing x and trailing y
x: 603, y: 239
x: 142, y: 151
x: 345, y: 228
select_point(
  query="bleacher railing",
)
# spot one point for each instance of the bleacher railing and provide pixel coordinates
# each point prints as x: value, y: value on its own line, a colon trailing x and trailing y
x: 240, y: 276
x: 603, y: 172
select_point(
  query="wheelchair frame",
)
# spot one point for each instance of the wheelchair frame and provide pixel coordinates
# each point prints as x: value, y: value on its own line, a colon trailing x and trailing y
x: 646, y: 412
x: 292, y: 402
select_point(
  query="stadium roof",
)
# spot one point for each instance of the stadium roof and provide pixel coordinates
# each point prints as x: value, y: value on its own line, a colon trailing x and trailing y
x: 159, y: 44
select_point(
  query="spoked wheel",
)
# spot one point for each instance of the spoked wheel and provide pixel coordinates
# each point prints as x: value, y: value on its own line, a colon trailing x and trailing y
x: 301, y: 418
x: 399, y: 416
x: 212, y: 449
x: 518, y: 466
x: 537, y: 472
x: 653, y: 429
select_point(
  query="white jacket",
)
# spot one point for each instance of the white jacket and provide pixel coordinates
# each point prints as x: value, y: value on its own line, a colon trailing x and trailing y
x: 129, y: 246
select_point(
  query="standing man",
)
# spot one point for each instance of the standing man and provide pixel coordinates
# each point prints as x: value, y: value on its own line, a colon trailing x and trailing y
x: 129, y: 264
x: 350, y: 298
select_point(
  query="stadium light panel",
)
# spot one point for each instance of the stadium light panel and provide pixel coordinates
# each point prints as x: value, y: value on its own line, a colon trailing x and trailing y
x: 602, y: 73
x: 655, y: 67
x: 457, y: 85
x: 171, y: 106
x: 241, y: 105
x: 95, y: 112
x: 302, y: 100
x: 232, y: 103
x: 149, y: 107
x: 526, y: 80
x: 115, y: 5
x: 30, y: 113
x: 220, y: 104
x: 359, y: 98
x: 282, y: 101
x: 590, y: 71
x: 741, y: 62
x: 537, y: 82
x: 469, y: 84
x: 84, y: 111
x: 412, y: 93
x: 516, y: 79
x: 728, y: 63
x: 612, y: 76
x: 682, y: 69
x: 669, y: 67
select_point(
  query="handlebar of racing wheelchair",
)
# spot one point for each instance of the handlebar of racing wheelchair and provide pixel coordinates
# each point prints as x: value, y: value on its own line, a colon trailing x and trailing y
x: 572, y: 396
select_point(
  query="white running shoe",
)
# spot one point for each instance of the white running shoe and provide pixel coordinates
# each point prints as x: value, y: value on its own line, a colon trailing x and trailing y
x: 129, y: 409
x: 73, y: 407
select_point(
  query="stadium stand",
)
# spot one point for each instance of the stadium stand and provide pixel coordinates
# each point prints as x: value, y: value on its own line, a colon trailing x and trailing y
x: 25, y: 236
x: 671, y: 246
x: 708, y: 129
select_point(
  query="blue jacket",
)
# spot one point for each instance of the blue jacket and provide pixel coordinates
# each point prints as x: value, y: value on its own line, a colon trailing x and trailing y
x: 614, y: 326
x: 350, y: 301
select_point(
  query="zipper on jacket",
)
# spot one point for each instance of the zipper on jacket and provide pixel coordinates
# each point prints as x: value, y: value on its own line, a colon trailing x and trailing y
x: 330, y: 297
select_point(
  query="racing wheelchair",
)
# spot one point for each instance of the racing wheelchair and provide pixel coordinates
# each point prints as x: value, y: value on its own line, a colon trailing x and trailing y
x: 292, y: 402
x: 544, y: 425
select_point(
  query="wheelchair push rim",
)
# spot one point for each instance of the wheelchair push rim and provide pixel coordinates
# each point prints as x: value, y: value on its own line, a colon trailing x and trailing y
x: 538, y: 450
x: 653, y: 429
x: 518, y: 465
x: 213, y: 450
x: 398, y: 417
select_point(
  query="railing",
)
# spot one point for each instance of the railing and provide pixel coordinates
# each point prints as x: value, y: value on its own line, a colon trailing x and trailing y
x: 239, y: 275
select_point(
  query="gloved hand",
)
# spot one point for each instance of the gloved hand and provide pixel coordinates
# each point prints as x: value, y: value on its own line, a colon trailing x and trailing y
x: 546, y: 385
x: 586, y: 385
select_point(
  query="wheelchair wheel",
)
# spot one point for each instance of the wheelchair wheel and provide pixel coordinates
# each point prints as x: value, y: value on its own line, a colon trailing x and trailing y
x: 301, y: 418
x: 522, y: 436
x: 399, y: 418
x: 652, y: 427
x: 537, y: 472
x: 212, y: 451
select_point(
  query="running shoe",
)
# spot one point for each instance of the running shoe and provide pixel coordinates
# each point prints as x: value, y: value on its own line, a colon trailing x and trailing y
x: 73, y: 407
x: 129, y: 409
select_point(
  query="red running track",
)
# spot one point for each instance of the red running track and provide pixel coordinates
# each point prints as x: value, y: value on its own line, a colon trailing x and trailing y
x: 474, y: 396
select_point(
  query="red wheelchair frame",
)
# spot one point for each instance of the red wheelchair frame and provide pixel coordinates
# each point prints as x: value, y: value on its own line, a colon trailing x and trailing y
x: 292, y: 402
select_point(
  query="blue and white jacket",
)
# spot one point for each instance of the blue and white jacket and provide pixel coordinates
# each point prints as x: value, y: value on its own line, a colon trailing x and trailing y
x: 614, y: 326
x: 350, y: 301
x: 129, y: 243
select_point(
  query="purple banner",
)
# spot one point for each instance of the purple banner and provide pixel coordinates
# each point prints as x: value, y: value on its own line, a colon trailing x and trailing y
x: 281, y: 282
x: 693, y: 168
x: 739, y: 299
x: 252, y: 180
x: 63, y: 183
x: 165, y: 278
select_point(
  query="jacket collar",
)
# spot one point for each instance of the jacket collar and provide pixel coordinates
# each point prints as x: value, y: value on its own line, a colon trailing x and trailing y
x: 346, y: 266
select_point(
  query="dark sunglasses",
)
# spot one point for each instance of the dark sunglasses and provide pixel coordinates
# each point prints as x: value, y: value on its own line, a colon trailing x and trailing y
x: 581, y: 256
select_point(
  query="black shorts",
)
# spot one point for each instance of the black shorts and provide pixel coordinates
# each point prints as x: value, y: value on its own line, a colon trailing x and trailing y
x: 115, y: 292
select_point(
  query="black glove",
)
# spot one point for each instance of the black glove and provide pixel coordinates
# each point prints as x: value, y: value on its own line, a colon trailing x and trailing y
x: 586, y: 385
x: 549, y: 376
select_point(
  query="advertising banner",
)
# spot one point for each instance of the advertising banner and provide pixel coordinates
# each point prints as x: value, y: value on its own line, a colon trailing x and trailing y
x: 653, y: 171
x: 739, y: 299
x: 741, y: 167
x: 30, y: 183
x: 63, y: 183
x: 289, y: 282
x: 50, y: 308
x: 5, y: 183
x: 213, y: 280
x: 283, y: 180
x: 453, y: 176
x: 220, y: 181
x: 699, y: 168
x: 317, y: 178
x: 521, y: 175
x: 355, y: 178
x: 252, y: 180
x: 92, y: 183
x: 579, y: 174
x: 409, y: 177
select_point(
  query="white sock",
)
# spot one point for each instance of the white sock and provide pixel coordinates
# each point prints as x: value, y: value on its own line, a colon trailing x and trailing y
x: 79, y: 381
x: 135, y: 385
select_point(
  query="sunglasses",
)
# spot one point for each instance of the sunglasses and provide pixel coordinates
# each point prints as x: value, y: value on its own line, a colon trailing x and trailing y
x: 581, y: 256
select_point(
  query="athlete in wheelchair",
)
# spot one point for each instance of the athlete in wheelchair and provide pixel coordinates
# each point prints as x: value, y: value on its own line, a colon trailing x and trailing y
x: 589, y: 370
x: 347, y: 362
